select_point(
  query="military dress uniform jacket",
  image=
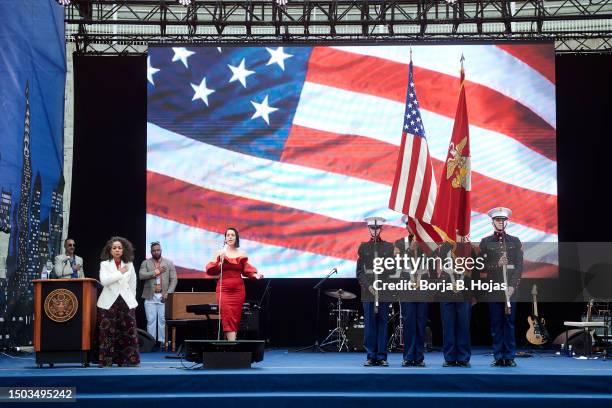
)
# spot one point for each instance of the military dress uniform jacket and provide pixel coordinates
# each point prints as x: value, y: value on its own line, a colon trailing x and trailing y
x: 416, y: 295
x: 491, y: 250
x: 365, y: 264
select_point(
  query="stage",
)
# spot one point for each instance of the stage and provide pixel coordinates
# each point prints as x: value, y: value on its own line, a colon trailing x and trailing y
x: 327, y: 379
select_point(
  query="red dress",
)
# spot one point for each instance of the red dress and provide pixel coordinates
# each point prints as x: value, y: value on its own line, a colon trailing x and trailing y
x: 231, y: 288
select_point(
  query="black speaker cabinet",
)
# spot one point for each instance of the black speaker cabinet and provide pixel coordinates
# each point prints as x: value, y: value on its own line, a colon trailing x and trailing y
x: 249, y: 325
x: 215, y: 354
x: 579, y: 339
x: 146, y: 342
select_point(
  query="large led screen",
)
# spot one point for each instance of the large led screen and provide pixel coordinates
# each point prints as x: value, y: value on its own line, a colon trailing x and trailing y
x: 295, y: 146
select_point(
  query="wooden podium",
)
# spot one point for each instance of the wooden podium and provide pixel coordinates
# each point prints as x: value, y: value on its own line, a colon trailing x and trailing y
x: 64, y: 320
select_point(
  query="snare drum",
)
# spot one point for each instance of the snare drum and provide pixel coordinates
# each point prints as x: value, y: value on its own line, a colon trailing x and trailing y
x: 346, y: 317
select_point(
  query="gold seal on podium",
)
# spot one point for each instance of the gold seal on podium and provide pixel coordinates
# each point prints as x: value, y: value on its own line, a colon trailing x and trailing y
x: 61, y: 305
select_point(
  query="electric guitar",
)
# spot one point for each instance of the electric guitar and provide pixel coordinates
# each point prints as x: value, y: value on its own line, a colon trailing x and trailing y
x: 537, y: 333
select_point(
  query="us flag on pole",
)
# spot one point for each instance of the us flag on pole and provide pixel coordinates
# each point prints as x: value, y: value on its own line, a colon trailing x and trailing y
x: 414, y: 187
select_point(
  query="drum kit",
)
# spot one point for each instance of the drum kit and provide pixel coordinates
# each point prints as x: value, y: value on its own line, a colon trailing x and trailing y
x: 343, y: 317
x: 347, y: 335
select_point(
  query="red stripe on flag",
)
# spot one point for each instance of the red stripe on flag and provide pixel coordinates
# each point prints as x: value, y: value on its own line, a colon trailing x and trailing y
x: 425, y: 190
x: 299, y: 154
x: 489, y: 109
x: 188, y: 273
x: 376, y: 161
x: 415, y: 155
x: 256, y: 220
x: 540, y: 57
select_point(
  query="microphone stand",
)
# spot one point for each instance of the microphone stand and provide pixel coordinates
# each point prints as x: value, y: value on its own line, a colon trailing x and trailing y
x: 317, y: 287
x: 221, y: 293
x: 266, y: 308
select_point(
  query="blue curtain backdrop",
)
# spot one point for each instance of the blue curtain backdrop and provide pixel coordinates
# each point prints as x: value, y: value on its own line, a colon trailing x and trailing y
x: 32, y: 78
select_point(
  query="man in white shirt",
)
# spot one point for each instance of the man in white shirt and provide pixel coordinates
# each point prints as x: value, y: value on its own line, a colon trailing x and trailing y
x: 69, y: 265
x: 160, y: 279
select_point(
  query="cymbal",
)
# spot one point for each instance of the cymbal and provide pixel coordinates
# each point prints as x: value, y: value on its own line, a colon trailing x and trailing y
x: 340, y: 294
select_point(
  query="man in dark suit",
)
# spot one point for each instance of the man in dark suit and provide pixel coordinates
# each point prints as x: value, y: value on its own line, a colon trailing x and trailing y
x: 376, y: 313
x: 503, y: 261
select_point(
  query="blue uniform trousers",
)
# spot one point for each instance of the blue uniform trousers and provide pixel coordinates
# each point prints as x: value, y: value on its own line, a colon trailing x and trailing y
x: 456, y: 330
x: 502, y: 330
x: 375, y: 331
x: 414, y: 317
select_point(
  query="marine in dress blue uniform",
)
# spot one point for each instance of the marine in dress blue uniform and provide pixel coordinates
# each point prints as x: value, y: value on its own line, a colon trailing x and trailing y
x: 414, y: 314
x: 375, y: 317
x: 498, y: 250
x: 456, y: 313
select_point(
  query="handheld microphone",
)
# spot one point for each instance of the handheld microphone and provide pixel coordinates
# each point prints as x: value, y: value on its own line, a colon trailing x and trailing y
x: 334, y: 270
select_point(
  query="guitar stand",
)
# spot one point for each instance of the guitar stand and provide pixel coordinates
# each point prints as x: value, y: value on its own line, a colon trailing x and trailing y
x: 396, y: 341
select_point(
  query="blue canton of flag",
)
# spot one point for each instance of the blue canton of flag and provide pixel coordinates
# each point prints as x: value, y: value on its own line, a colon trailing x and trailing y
x: 413, y: 123
x: 241, y: 99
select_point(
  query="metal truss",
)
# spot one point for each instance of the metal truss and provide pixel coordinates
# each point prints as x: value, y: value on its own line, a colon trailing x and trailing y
x: 125, y: 26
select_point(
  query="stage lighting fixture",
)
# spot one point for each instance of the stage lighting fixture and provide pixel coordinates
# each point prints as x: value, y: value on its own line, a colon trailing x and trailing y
x: 282, y: 2
x: 63, y: 2
x: 185, y: 3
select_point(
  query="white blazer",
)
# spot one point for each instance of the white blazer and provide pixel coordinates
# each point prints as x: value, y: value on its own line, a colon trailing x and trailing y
x: 117, y: 284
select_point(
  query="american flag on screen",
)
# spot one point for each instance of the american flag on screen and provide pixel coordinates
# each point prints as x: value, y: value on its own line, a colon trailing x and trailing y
x: 295, y: 146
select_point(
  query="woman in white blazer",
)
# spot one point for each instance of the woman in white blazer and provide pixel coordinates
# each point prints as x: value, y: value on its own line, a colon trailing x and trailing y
x: 118, y: 336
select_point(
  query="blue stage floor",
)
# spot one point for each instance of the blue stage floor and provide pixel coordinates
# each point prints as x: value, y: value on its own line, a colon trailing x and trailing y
x: 327, y: 379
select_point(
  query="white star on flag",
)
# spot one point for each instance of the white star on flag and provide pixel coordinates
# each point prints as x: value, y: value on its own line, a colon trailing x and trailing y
x: 240, y: 73
x: 278, y: 56
x: 201, y: 91
x: 263, y: 110
x: 181, y: 54
x: 151, y: 70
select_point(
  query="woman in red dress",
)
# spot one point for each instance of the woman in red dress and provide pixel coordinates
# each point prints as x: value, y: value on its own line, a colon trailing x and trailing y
x: 229, y: 265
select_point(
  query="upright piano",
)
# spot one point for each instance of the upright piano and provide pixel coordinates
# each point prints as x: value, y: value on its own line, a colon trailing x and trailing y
x: 177, y: 315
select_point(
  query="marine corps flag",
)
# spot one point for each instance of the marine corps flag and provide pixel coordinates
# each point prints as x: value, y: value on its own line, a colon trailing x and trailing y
x: 453, y: 209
